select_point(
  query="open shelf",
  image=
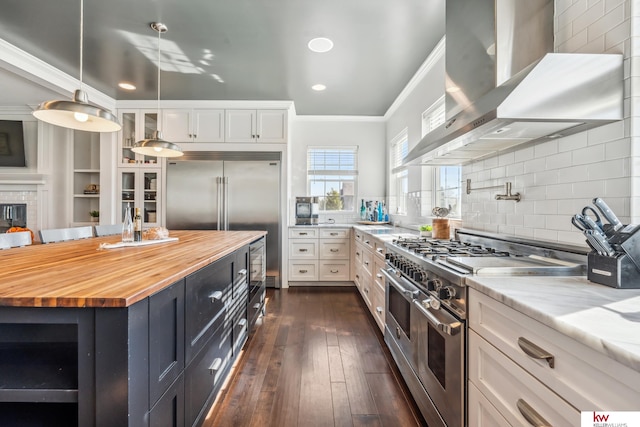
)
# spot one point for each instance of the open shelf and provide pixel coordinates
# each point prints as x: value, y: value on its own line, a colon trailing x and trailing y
x: 38, y: 414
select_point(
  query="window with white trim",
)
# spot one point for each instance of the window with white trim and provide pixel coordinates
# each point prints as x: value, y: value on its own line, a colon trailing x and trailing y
x: 399, y: 180
x: 332, y: 175
x: 447, y: 179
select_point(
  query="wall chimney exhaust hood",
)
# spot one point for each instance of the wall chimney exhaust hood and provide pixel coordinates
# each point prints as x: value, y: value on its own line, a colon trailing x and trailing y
x: 505, y: 87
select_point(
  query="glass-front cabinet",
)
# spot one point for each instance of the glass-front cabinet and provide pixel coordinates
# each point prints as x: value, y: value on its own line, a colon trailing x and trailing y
x: 136, y: 125
x: 140, y: 189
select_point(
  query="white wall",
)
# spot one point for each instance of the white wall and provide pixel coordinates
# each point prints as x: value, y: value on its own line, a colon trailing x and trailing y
x: 426, y: 87
x: 368, y: 133
x: 557, y: 178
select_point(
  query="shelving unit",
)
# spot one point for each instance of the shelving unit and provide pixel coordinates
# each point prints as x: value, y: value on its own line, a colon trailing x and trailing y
x: 86, y: 176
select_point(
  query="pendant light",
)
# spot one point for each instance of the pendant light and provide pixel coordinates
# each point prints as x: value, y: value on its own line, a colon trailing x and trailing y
x: 78, y: 113
x: 156, y: 146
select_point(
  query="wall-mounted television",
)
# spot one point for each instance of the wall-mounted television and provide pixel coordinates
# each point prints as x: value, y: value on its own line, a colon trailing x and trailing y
x: 12, y: 144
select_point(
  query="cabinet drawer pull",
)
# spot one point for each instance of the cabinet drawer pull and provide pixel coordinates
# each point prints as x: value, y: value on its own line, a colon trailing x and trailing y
x: 333, y: 234
x: 217, y: 295
x: 215, y: 366
x: 366, y: 262
x: 536, y: 352
x: 380, y: 250
x: 303, y: 250
x: 357, y: 253
x: 302, y: 271
x: 379, y: 276
x: 258, y: 136
x: 242, y: 272
x: 366, y: 290
x: 302, y: 234
x: 366, y: 241
x: 334, y: 271
x: 256, y: 306
x: 379, y: 310
x: 242, y: 322
x: 334, y: 250
x: 530, y: 414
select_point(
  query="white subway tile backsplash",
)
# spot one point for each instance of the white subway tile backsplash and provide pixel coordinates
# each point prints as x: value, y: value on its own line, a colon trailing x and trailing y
x: 606, y: 23
x: 546, y: 178
x: 608, y: 169
x: 614, y: 39
x: 506, y: 159
x: 588, y: 189
x: 515, y: 220
x: 572, y: 174
x: 606, y: 133
x: 595, y: 45
x: 573, y: 142
x: 498, y: 173
x: 545, y: 149
x: 542, y: 234
x: 620, y: 187
x: 573, y: 238
x: 559, y: 161
x: 524, y: 232
x: 571, y: 13
x: 525, y: 181
x: 612, y: 4
x: 534, y: 221
x: 574, y: 43
x: 533, y: 193
x: 515, y: 169
x: 558, y: 222
x: 593, y: 14
x: 524, y: 154
x: 588, y: 155
x: 535, y: 165
x: 545, y: 207
x: 559, y: 191
x: 618, y: 149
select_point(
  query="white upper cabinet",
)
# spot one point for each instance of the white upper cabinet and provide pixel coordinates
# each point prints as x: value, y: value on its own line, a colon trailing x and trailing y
x: 193, y: 125
x: 269, y: 126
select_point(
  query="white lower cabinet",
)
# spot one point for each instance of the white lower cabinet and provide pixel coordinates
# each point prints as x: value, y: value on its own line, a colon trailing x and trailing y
x: 370, y: 282
x: 531, y: 374
x: 319, y: 255
x: 482, y: 412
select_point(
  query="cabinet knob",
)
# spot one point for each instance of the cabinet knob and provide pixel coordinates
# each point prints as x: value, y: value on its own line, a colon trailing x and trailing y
x: 215, y: 366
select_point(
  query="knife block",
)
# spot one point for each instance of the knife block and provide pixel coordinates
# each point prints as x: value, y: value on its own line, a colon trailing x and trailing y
x: 618, y: 271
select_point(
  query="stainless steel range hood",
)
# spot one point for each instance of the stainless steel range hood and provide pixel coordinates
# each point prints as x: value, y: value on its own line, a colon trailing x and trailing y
x: 554, y: 96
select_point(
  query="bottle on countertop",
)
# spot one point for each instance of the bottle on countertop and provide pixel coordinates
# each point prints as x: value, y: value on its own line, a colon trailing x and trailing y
x: 137, y: 226
x: 375, y: 212
x: 127, y: 225
x: 380, y: 212
x: 363, y: 211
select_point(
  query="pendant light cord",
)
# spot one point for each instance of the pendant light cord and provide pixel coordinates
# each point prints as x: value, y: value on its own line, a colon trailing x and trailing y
x: 81, y: 38
x: 158, y: 113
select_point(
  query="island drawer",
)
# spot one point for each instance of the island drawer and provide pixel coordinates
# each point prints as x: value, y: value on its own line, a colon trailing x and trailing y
x: 205, y: 375
x: 208, y: 295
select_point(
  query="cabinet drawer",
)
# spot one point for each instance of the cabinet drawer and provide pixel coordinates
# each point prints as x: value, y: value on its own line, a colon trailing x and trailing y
x: 377, y: 304
x: 205, y: 375
x: 334, y: 249
x: 358, y: 235
x: 303, y: 233
x: 303, y: 271
x: 334, y: 271
x: 506, y: 385
x: 256, y: 307
x: 359, y: 250
x: 207, y: 297
x: 303, y: 249
x: 169, y: 410
x: 481, y: 412
x: 379, y: 249
x: 367, y: 262
x: 367, y: 240
x: 378, y: 278
x: 503, y: 326
x: 334, y: 233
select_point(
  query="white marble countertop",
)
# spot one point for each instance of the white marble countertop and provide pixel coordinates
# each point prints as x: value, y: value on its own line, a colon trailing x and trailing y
x: 603, y: 318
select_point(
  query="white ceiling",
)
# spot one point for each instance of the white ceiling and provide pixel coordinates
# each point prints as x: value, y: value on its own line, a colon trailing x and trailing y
x: 257, y: 47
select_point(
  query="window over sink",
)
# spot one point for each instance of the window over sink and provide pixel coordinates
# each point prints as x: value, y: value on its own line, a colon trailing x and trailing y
x: 332, y: 175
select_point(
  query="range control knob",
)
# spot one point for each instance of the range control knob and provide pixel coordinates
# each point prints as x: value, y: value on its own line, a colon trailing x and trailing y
x: 433, y: 284
x: 446, y: 293
x: 417, y: 275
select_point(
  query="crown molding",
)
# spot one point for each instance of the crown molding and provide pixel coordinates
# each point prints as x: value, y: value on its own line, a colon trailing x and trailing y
x: 340, y: 119
x: 436, y: 54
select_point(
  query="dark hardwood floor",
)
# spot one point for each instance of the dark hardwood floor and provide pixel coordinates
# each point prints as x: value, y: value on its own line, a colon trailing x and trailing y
x: 317, y: 359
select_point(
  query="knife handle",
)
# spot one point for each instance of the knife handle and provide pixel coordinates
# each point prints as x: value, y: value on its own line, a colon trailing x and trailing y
x: 607, y: 213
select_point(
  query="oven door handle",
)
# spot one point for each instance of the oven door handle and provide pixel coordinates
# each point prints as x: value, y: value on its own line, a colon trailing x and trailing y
x: 450, y: 329
x: 408, y: 292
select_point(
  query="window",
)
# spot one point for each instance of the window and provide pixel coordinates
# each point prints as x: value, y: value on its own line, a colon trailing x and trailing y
x: 399, y: 180
x: 332, y: 176
x: 447, y: 179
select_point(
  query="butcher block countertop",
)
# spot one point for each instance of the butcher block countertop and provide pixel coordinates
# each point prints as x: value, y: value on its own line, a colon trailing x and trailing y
x: 81, y: 274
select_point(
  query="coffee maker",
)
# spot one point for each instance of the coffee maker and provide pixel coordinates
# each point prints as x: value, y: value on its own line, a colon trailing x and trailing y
x: 307, y: 211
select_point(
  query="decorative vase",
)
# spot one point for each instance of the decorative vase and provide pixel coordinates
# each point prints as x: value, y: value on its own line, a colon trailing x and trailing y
x: 94, y: 219
x: 425, y: 234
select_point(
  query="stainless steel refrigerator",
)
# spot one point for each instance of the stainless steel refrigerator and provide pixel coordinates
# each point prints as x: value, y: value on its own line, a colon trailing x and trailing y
x: 227, y: 191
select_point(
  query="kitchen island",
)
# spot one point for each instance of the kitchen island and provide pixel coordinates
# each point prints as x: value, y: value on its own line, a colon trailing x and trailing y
x: 132, y: 336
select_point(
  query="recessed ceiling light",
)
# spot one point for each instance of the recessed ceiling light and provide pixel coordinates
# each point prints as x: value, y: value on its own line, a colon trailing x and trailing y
x: 318, y: 87
x: 126, y: 86
x: 320, y: 45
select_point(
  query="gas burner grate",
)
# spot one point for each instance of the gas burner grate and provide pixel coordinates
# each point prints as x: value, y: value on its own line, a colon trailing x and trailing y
x: 432, y: 248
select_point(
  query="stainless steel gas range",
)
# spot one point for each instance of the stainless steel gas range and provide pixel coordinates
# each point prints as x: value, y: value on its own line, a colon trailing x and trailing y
x: 426, y: 307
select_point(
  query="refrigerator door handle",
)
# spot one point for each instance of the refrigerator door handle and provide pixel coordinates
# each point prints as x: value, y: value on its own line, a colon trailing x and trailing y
x: 219, y: 197
x: 226, y: 202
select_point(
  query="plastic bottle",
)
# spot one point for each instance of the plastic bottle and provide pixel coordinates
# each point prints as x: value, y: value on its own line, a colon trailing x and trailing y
x: 363, y: 211
x: 380, y: 212
x: 127, y: 225
x: 375, y: 212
